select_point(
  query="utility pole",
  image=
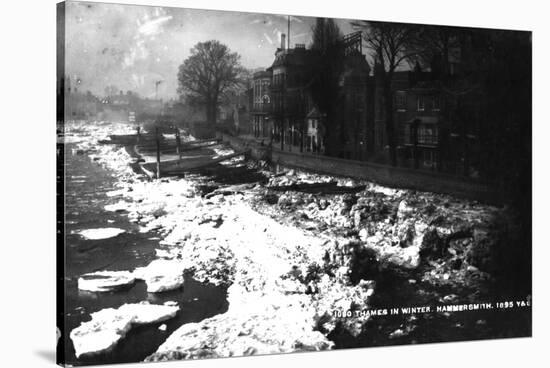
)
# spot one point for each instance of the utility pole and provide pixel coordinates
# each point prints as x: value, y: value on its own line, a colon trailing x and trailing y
x: 157, y: 139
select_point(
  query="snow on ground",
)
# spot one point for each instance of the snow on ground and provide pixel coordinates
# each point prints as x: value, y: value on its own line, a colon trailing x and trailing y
x: 396, y: 225
x: 221, y: 240
x: 108, y: 326
x: 270, y: 310
x: 289, y: 266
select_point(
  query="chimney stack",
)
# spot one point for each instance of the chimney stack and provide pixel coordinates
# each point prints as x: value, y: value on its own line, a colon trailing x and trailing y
x: 283, y: 41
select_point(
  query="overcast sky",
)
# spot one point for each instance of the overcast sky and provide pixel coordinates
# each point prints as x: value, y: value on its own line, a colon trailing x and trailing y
x: 133, y: 46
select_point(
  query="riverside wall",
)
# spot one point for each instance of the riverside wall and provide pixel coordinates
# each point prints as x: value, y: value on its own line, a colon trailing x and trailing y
x: 397, y: 177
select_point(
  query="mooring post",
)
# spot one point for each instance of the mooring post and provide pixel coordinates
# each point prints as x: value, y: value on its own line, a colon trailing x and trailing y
x: 158, y: 152
x: 178, y: 142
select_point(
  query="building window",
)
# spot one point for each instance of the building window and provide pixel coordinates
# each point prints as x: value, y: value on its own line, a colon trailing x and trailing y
x: 401, y: 100
x: 436, y: 103
x: 427, y: 135
x: 420, y: 103
x: 279, y: 79
x: 380, y: 113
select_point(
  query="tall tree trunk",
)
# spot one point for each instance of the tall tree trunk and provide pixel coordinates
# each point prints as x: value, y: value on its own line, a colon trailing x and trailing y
x: 213, y: 108
x: 210, y: 112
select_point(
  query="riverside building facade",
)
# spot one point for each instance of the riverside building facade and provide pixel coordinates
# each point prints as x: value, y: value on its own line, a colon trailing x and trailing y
x: 285, y: 113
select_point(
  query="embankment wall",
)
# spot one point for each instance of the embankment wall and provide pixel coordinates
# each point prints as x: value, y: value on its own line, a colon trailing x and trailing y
x: 396, y: 177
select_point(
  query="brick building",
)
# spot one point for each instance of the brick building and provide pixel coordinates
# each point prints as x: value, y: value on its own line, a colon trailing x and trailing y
x: 417, y: 116
x: 290, y: 98
x: 262, y: 124
x: 434, y: 129
x: 284, y: 112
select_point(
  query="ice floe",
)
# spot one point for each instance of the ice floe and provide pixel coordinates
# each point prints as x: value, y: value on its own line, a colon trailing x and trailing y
x: 101, y: 233
x: 161, y: 275
x: 105, y: 280
x: 110, y: 325
x: 119, y: 206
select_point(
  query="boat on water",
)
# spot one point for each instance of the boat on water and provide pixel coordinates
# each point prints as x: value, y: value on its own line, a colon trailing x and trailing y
x: 185, y: 164
x: 166, y: 154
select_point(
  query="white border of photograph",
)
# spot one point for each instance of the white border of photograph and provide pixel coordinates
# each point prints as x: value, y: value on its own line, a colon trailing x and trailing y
x: 28, y: 181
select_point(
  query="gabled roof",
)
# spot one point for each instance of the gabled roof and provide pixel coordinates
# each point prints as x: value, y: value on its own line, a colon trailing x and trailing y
x: 296, y: 56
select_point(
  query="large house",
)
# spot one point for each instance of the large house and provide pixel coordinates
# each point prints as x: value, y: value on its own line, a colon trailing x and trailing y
x: 284, y: 112
x: 435, y: 128
x: 417, y: 118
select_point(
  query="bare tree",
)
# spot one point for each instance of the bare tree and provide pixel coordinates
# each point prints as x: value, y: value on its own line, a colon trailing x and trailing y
x: 390, y: 44
x: 436, y: 46
x: 210, y: 71
x: 326, y: 91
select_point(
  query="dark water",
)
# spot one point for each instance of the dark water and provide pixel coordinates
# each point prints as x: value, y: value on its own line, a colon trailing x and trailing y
x: 394, y: 290
x: 86, y: 186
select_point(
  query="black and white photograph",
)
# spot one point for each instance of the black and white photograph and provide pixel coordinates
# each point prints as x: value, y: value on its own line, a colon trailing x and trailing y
x: 234, y: 183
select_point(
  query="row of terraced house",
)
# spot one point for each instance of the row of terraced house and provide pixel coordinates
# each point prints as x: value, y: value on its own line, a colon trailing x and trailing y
x: 429, y: 133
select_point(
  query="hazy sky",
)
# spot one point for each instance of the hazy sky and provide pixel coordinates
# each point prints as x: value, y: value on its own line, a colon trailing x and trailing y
x: 133, y: 46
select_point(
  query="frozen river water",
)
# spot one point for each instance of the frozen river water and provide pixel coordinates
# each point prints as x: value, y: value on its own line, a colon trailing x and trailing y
x: 289, y: 253
x: 87, y: 185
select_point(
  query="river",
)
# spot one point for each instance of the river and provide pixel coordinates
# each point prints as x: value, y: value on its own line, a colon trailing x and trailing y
x: 280, y: 250
x: 86, y: 187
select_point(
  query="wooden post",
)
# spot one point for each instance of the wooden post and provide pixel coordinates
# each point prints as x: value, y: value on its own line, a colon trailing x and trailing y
x: 158, y: 152
x: 291, y: 136
x: 178, y: 142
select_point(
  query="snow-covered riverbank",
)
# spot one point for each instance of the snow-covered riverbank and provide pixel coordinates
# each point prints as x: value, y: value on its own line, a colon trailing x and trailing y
x: 292, y: 261
x: 221, y: 240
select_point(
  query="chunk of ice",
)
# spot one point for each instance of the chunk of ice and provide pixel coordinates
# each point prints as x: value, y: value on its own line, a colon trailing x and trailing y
x: 110, y: 325
x: 105, y: 280
x: 161, y: 275
x: 102, y: 233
